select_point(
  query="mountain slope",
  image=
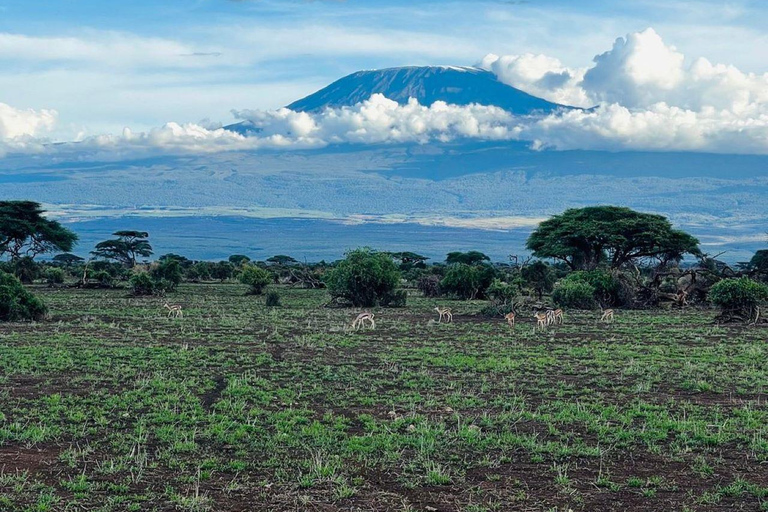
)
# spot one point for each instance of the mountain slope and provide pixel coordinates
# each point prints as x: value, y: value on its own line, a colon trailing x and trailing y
x: 428, y: 84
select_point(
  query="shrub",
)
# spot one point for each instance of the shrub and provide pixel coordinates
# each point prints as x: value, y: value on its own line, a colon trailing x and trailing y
x: 429, y: 286
x: 396, y: 299
x: 467, y: 281
x: 16, y: 303
x: 26, y: 269
x: 495, y: 309
x: 54, y: 276
x: 738, y: 299
x: 501, y: 292
x: 574, y: 293
x: 272, y: 299
x: 200, y: 271
x: 167, y: 274
x: 538, y: 276
x: 104, y: 278
x: 142, y: 284
x: 605, y: 284
x: 255, y: 277
x: 365, y: 278
x: 222, y: 271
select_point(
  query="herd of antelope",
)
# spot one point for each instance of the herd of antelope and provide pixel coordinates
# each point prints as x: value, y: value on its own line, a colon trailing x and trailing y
x: 543, y: 319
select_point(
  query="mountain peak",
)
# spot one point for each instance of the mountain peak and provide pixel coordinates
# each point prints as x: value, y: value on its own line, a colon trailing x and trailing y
x: 452, y: 84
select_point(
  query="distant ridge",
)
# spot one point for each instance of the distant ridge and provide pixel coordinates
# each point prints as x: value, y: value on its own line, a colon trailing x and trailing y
x: 428, y: 84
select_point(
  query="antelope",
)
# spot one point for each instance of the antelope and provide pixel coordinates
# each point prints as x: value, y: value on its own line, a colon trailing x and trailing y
x: 363, y: 317
x: 444, y: 313
x: 757, y: 315
x: 554, y: 316
x: 607, y: 315
x: 510, y: 318
x: 681, y: 298
x: 173, y: 310
x: 542, y: 320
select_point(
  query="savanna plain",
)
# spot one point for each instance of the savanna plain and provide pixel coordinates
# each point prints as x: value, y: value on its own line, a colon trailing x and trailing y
x: 109, y: 405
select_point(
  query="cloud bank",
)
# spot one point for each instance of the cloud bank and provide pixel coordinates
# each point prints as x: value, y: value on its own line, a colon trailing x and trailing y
x: 21, y: 130
x: 643, y: 95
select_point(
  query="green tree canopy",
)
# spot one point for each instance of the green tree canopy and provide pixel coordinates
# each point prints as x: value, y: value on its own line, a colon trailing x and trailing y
x: 126, y: 248
x: 467, y: 258
x: 67, y: 259
x: 365, y: 278
x: 759, y: 261
x: 281, y: 259
x: 239, y: 260
x: 16, y: 303
x: 539, y: 276
x: 24, y: 231
x: 591, y: 237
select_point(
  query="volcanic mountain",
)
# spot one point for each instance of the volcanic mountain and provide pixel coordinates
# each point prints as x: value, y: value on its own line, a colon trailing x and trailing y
x: 428, y: 84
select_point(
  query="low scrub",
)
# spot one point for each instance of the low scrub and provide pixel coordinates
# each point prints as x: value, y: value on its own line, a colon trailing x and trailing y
x: 16, y: 302
x: 574, y: 294
x: 366, y: 278
x: 738, y: 299
x: 255, y: 277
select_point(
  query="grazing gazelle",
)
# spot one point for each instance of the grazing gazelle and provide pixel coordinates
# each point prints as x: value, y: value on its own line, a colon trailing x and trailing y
x: 510, y: 318
x: 365, y: 316
x: 444, y: 313
x: 173, y: 310
x: 607, y: 315
x: 555, y: 316
x: 542, y: 320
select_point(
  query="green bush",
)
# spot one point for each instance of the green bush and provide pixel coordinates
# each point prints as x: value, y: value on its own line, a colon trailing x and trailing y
x: 468, y: 281
x: 365, y: 278
x: 738, y: 299
x: 502, y: 292
x: 495, y: 309
x: 539, y: 277
x: 396, y: 299
x: 272, y: 299
x: 200, y: 271
x: 54, y: 276
x: 574, y: 293
x: 16, y: 303
x: 255, y: 277
x: 429, y: 286
x: 104, y: 278
x: 605, y: 284
x: 143, y: 284
x: 167, y: 274
x: 26, y: 269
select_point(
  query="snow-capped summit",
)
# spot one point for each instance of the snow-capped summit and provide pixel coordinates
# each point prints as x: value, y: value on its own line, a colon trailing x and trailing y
x: 428, y: 84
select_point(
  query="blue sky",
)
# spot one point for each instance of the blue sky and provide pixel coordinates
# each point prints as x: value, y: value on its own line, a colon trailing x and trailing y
x: 106, y: 65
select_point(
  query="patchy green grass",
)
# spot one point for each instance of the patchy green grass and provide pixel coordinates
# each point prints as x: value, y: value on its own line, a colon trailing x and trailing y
x: 109, y: 405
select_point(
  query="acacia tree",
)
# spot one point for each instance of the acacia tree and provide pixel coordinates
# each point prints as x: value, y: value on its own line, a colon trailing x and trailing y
x: 613, y: 236
x: 67, y: 260
x: 24, y: 231
x: 128, y: 246
x: 467, y: 258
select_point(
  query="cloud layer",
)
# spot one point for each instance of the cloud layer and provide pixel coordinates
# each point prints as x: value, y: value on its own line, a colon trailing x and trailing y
x: 644, y: 94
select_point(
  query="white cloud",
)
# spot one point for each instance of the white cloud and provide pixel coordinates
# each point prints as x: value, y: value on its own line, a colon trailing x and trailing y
x: 20, y: 129
x: 638, y: 72
x: 540, y: 75
x: 647, y: 98
x: 379, y: 120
